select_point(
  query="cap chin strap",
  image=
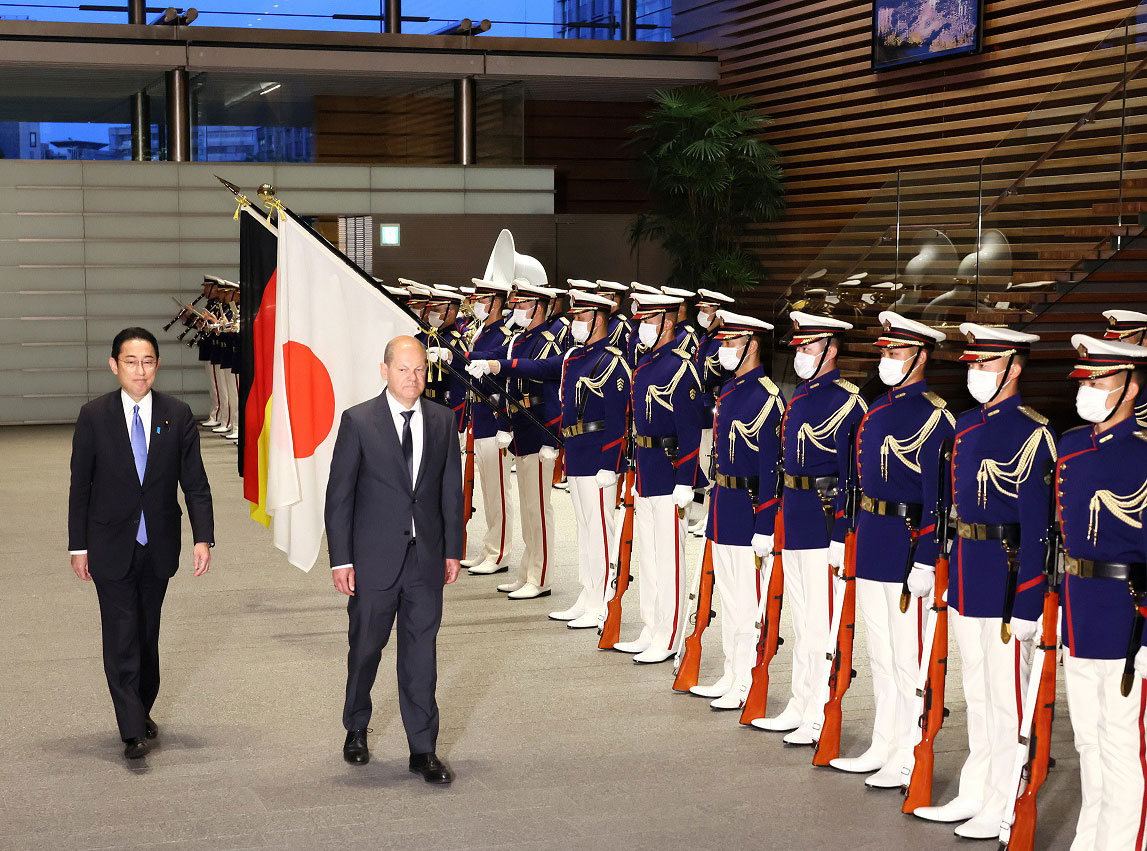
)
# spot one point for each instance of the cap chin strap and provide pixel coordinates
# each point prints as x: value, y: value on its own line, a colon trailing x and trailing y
x: 911, y: 367
x: 819, y: 363
x: 1122, y: 396
x: 1004, y: 381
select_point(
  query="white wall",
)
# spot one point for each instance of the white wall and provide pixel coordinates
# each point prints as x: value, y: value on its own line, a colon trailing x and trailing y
x: 88, y: 248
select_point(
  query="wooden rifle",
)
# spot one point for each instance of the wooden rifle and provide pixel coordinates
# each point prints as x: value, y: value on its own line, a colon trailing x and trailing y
x: 1033, y: 750
x: 687, y: 663
x: 619, y: 577
x: 840, y: 678
x: 917, y: 773
x: 468, y: 480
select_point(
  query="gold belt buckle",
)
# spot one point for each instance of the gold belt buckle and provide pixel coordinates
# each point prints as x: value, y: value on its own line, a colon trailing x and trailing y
x: 790, y: 481
x: 1076, y: 566
x: 868, y: 504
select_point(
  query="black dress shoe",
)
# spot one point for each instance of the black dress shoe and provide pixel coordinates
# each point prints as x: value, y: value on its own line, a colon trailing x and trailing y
x: 355, y: 750
x: 150, y: 728
x: 432, y: 769
x: 136, y: 748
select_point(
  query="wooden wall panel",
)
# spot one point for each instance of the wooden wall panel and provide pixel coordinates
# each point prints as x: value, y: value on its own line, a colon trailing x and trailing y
x: 844, y: 129
x: 398, y: 130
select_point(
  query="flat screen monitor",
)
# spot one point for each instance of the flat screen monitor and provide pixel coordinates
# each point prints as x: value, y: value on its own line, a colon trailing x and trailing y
x: 905, y: 32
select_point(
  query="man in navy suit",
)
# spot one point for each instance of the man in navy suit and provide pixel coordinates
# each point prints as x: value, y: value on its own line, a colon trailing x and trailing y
x: 394, y: 530
x: 129, y: 451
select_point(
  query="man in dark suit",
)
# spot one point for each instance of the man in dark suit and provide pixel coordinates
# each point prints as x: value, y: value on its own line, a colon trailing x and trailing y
x: 394, y: 520
x: 130, y: 449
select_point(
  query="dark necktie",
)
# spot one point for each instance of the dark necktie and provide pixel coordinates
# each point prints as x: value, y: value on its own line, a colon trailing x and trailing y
x: 408, y: 444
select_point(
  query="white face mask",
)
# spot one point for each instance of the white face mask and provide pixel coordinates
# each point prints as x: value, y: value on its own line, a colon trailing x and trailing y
x: 647, y: 334
x: 729, y: 357
x: 1091, y: 403
x: 805, y: 365
x: 434, y: 320
x: 579, y: 330
x: 982, y: 384
x: 890, y: 370
x: 481, y: 312
x: 519, y: 317
x: 704, y: 319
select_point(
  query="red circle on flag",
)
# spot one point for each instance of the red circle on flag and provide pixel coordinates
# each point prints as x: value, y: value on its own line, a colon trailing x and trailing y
x: 310, y: 398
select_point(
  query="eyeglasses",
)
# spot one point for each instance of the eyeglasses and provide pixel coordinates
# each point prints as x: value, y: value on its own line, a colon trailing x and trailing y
x: 148, y: 364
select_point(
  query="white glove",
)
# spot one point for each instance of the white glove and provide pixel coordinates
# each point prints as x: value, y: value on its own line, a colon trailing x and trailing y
x: 836, y: 554
x: 921, y: 579
x: 1025, y: 630
x: 1141, y: 662
x: 548, y: 453
x: 762, y: 545
x: 503, y: 439
x: 682, y: 495
x: 437, y: 353
x: 605, y: 478
x: 478, y: 368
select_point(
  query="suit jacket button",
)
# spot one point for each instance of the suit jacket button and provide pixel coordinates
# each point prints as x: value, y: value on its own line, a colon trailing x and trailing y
x: 406, y: 533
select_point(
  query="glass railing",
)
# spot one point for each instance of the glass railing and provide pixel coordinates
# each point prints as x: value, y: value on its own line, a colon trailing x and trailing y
x: 580, y: 19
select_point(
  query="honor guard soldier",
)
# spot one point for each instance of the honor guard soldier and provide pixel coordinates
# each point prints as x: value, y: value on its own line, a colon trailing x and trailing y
x: 441, y: 316
x: 535, y: 450
x: 492, y: 463
x: 743, y: 503
x: 558, y: 322
x: 687, y: 337
x: 636, y: 350
x: 1130, y: 326
x: 1101, y: 486
x: 619, y: 325
x: 1000, y: 458
x: 823, y: 412
x: 712, y: 376
x: 419, y: 296
x: 595, y: 387
x: 898, y: 450
x: 667, y: 432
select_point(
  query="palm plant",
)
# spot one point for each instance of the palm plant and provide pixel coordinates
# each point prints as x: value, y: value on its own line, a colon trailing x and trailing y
x: 709, y: 176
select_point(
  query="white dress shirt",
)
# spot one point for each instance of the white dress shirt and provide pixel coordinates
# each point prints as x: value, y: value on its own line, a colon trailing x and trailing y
x: 396, y: 411
x: 129, y: 415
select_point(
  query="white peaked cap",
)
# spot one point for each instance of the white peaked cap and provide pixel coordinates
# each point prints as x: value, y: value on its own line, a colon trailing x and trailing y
x: 682, y: 294
x: 582, y: 299
x: 523, y: 286
x: 639, y: 287
x: 482, y: 285
x: 737, y: 324
x: 900, y: 331
x: 581, y: 284
x: 613, y: 286
x: 713, y: 297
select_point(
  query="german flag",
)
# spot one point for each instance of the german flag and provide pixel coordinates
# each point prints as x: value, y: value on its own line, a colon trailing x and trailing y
x: 258, y: 257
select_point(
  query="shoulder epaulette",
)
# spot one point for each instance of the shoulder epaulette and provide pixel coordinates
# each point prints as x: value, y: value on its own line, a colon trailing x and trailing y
x: 769, y: 385
x: 565, y: 320
x: 1032, y: 414
x: 613, y: 350
x: 547, y: 335
x: 845, y: 384
x: 1141, y: 434
x: 934, y: 399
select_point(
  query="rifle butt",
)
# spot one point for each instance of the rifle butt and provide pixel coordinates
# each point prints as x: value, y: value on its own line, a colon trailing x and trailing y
x: 920, y: 784
x: 1023, y: 829
x: 758, y: 697
x: 611, y: 629
x: 690, y: 665
x: 828, y: 746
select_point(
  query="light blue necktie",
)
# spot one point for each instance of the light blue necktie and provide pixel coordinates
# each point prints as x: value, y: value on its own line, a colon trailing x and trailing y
x: 139, y: 450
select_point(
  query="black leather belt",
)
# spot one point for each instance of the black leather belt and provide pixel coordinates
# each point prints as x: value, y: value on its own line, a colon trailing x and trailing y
x: 496, y: 398
x: 527, y: 402
x: 742, y: 483
x: 669, y: 444
x: 811, y: 483
x: 1135, y: 572
x: 581, y: 427
x: 1007, y: 532
x: 910, y: 511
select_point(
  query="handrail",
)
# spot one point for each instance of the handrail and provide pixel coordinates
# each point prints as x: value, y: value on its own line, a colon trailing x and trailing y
x: 1084, y: 120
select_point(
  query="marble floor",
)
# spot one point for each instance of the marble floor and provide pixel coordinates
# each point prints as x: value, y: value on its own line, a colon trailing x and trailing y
x: 557, y: 745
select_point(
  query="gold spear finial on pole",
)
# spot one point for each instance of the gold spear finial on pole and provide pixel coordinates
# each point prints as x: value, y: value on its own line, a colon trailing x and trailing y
x: 240, y: 199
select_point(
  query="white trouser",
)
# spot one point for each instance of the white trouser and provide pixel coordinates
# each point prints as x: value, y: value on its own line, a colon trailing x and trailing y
x: 995, y: 677
x: 535, y: 482
x: 894, y: 657
x: 232, y: 398
x: 1109, y: 737
x: 660, y: 542
x: 492, y: 467
x: 595, y: 516
x: 223, y: 388
x: 738, y: 584
x: 212, y: 390
x: 807, y: 594
x: 704, y: 460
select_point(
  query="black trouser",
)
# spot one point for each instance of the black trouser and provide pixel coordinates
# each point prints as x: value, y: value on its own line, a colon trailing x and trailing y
x: 417, y: 603
x: 129, y: 615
